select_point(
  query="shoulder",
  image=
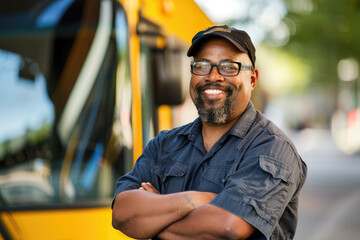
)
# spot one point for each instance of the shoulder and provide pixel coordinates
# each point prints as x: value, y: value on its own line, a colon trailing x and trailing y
x: 272, y: 133
x: 268, y: 126
x: 173, y: 137
x: 175, y: 132
x: 276, y: 146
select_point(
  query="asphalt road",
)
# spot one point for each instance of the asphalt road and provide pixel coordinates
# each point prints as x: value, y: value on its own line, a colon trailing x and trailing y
x: 330, y: 200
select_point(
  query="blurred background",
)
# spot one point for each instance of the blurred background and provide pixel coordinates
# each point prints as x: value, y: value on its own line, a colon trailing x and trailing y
x: 308, y: 56
x: 85, y: 84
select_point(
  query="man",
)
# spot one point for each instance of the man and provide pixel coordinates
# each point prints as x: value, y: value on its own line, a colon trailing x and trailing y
x: 230, y: 174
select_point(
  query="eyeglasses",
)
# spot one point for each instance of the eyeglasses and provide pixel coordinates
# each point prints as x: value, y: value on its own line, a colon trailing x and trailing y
x: 226, y: 69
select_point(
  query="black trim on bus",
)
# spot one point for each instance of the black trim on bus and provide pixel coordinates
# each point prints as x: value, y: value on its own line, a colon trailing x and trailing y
x: 4, y: 232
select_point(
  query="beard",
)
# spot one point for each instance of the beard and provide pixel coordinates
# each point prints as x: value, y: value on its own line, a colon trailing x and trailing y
x: 217, y: 116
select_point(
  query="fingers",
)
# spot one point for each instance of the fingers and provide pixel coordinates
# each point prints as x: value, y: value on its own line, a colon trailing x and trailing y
x: 148, y: 187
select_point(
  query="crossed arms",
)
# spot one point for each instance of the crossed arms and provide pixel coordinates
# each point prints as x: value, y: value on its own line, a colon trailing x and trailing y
x: 145, y: 213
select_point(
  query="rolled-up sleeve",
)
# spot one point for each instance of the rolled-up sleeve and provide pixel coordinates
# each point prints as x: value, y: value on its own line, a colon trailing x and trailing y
x: 262, y: 186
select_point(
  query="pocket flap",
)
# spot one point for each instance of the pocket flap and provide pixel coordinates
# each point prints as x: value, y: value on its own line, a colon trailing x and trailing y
x: 177, y: 170
x: 170, y: 169
x: 276, y: 168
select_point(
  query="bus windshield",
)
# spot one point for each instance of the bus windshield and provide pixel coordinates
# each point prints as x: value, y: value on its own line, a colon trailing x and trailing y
x: 55, y: 150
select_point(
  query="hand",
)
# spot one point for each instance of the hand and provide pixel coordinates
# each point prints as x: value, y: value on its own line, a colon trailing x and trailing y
x: 148, y: 187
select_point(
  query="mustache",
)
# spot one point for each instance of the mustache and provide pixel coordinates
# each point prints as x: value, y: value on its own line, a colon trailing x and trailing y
x: 214, y: 85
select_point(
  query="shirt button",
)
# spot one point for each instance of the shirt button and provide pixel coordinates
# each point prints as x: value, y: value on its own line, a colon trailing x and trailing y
x: 223, y: 180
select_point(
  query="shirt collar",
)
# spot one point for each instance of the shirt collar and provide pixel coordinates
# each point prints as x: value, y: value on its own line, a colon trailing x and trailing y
x: 242, y: 126
x: 192, y: 130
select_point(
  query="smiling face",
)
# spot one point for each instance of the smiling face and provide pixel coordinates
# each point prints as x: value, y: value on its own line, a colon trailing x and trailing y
x: 220, y: 99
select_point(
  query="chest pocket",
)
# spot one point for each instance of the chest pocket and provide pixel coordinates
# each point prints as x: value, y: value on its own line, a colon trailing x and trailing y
x: 214, y: 178
x: 171, y: 175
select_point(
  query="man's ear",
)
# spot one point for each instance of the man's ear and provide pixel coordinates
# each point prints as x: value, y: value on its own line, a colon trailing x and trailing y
x: 254, y: 77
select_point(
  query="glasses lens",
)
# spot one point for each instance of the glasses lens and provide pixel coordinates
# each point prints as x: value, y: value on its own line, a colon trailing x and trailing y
x: 229, y: 68
x: 201, y: 68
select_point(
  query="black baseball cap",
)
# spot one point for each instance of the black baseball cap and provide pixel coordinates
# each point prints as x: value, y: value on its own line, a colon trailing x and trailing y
x: 239, y: 38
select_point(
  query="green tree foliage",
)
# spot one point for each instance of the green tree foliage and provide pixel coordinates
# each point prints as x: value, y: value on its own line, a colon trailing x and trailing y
x: 323, y: 32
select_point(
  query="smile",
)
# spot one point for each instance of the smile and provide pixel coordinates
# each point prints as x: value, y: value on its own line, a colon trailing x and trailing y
x: 213, y: 91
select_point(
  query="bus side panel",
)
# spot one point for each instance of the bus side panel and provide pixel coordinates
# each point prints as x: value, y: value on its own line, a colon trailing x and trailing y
x: 62, y: 224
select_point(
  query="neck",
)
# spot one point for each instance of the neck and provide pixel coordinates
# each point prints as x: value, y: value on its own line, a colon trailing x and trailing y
x: 211, y: 133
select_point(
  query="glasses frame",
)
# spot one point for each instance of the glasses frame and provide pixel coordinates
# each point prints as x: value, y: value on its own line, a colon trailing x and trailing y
x: 241, y: 66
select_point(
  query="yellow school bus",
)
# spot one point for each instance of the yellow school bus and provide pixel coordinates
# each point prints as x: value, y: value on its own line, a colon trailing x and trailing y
x: 84, y: 85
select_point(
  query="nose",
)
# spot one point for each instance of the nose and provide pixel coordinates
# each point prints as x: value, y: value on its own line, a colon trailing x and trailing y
x: 214, y: 75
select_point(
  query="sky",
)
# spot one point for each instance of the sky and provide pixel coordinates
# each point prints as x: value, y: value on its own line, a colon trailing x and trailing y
x: 24, y: 104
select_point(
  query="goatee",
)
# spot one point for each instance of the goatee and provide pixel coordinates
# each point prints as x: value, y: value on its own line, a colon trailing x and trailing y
x: 211, y: 115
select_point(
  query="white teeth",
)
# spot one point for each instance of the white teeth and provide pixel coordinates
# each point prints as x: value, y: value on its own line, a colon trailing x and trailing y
x: 213, y: 91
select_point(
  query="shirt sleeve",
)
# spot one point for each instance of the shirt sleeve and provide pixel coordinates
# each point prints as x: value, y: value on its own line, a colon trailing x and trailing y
x: 262, y: 186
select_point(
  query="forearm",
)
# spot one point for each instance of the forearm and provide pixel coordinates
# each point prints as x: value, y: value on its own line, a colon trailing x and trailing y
x: 142, y: 214
x: 208, y: 222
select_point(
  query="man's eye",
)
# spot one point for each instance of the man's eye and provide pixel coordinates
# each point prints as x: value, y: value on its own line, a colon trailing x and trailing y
x: 202, y: 66
x: 229, y: 68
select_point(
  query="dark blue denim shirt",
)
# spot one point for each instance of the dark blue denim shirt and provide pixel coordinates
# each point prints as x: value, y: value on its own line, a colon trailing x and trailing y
x: 254, y: 168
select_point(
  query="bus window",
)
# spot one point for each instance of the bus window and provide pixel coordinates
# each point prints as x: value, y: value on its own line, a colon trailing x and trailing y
x: 27, y: 117
x: 44, y: 160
